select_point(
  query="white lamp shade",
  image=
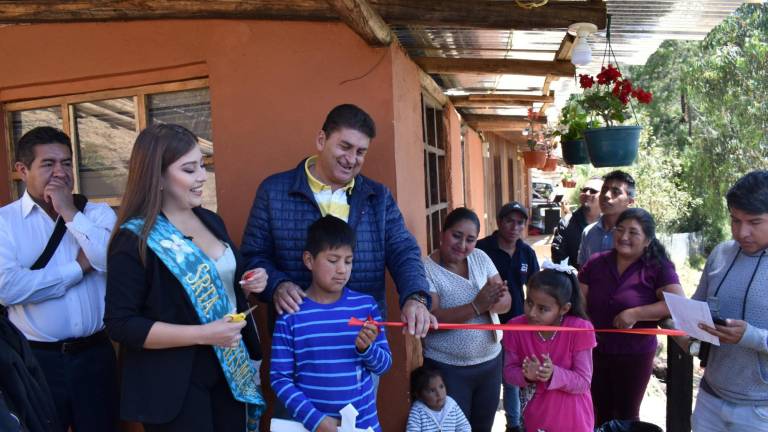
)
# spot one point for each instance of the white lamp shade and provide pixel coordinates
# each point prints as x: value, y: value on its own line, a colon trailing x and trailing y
x: 582, y: 53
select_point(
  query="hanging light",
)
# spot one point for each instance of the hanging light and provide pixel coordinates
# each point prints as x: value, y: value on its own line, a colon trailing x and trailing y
x: 582, y: 53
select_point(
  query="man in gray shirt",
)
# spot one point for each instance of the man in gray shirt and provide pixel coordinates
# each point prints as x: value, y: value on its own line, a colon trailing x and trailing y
x: 734, y: 390
x: 616, y: 195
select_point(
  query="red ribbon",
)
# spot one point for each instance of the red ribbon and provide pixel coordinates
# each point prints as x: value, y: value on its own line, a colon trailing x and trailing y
x: 525, y: 327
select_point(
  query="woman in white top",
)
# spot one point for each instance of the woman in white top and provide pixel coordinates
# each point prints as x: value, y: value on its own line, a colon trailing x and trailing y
x: 466, y: 288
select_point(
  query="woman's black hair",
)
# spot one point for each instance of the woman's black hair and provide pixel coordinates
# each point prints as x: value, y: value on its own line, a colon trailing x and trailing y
x: 420, y: 380
x: 655, y: 250
x: 459, y: 214
x: 562, y: 286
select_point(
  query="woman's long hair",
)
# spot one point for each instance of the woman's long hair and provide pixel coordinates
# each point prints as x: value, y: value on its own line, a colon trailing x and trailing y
x: 655, y: 250
x: 156, y: 147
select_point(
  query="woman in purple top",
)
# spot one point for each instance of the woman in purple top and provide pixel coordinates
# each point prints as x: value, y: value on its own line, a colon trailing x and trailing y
x: 623, y: 288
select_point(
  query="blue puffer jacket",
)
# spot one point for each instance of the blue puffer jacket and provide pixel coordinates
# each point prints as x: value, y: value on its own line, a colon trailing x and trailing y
x: 284, y: 208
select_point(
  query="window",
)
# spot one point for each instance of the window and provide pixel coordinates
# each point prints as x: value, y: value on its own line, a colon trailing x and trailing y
x: 103, y: 127
x: 435, y: 178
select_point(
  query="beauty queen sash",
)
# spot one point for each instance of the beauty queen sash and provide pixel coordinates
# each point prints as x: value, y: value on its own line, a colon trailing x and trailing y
x: 198, y: 275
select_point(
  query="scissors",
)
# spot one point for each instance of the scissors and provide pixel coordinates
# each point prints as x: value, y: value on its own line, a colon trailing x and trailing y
x: 237, y: 317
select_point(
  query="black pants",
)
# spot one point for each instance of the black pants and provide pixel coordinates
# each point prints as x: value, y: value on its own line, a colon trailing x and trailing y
x: 618, y: 385
x: 209, y: 405
x: 84, y: 386
x: 475, y: 388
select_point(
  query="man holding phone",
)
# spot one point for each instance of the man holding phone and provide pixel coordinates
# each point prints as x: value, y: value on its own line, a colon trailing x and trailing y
x: 734, y: 389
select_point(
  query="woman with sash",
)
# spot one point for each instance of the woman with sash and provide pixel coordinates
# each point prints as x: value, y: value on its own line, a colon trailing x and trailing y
x: 174, y: 287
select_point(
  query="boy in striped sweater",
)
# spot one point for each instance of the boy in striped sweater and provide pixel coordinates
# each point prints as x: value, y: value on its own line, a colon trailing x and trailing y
x: 319, y: 363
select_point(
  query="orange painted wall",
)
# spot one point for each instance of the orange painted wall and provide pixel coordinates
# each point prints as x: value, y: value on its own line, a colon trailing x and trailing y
x: 473, y: 147
x: 271, y: 85
x: 455, y: 177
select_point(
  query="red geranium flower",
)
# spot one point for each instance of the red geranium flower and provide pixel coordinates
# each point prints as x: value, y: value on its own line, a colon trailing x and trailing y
x: 608, y: 75
x: 586, y: 81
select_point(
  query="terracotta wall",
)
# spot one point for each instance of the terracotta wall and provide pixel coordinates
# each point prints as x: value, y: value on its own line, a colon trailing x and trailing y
x: 455, y: 175
x: 271, y: 85
x: 473, y: 148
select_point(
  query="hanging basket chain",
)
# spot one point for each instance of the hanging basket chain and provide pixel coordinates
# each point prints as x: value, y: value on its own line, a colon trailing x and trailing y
x: 611, y: 54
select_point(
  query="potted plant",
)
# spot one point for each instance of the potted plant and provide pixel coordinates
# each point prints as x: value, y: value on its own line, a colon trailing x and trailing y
x: 567, y: 180
x: 536, y: 155
x: 573, y: 123
x: 606, y: 98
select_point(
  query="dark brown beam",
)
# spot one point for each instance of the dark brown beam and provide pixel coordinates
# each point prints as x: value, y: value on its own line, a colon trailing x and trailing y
x: 444, y: 65
x: 490, y: 122
x: 477, y: 14
x: 490, y: 14
x: 363, y: 20
x: 499, y: 100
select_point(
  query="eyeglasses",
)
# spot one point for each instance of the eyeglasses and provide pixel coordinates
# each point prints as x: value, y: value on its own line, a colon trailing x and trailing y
x: 590, y: 191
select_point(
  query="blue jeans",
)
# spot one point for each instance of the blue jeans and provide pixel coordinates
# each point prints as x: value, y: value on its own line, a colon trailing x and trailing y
x: 713, y: 414
x: 511, y: 396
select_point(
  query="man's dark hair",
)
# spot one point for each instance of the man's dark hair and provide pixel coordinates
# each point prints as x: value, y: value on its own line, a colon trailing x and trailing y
x: 329, y: 232
x: 750, y: 193
x: 25, y: 148
x: 350, y: 117
x: 622, y: 177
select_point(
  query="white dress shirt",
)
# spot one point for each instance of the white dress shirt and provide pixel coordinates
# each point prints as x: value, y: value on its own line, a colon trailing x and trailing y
x: 56, y: 302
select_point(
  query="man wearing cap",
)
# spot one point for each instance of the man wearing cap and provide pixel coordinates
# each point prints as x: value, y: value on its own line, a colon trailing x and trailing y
x: 567, y: 238
x: 516, y: 262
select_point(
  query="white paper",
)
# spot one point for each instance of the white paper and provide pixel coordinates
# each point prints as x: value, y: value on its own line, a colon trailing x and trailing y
x: 688, y: 313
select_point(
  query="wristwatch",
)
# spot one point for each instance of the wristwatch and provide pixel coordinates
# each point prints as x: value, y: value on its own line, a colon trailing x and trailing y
x: 694, y: 347
x: 419, y: 297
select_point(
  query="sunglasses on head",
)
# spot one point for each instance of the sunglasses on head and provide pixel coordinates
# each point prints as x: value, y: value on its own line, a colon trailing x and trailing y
x: 590, y: 191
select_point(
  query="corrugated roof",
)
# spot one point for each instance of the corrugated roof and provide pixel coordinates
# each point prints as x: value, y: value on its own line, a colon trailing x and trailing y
x: 637, y: 29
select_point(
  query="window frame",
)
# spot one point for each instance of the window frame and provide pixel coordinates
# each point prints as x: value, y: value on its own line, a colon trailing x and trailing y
x: 441, y: 203
x: 66, y: 103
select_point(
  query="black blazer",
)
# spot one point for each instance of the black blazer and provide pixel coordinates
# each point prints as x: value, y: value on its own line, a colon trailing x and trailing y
x: 155, y: 382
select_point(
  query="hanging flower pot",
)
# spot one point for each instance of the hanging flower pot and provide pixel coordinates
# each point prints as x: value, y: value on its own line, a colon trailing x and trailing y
x: 550, y: 164
x: 534, y: 158
x: 569, y: 183
x: 612, y: 146
x: 575, y: 152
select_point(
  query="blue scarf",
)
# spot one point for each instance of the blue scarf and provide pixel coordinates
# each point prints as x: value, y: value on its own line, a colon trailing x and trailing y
x: 202, y: 284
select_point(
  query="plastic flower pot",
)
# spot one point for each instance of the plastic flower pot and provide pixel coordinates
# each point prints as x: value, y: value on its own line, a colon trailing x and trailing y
x: 612, y: 146
x: 534, y: 158
x: 575, y: 152
x: 550, y: 164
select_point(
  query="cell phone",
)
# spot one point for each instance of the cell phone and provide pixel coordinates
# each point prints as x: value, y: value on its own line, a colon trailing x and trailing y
x: 719, y: 321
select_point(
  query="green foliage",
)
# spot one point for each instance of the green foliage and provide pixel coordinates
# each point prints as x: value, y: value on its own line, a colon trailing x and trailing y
x: 573, y: 121
x: 710, y: 112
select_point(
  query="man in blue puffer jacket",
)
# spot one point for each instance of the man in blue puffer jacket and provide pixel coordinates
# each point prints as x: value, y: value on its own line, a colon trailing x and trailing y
x: 330, y: 183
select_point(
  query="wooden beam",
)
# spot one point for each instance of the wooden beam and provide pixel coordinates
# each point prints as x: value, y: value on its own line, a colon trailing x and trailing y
x: 480, y: 14
x: 566, y: 48
x: 490, y: 122
x: 430, y: 86
x: 363, y: 20
x: 498, y: 100
x: 40, y: 11
x: 495, y: 66
x: 490, y: 14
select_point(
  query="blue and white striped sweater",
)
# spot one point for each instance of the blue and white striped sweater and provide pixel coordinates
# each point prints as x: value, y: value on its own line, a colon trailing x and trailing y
x: 315, y: 367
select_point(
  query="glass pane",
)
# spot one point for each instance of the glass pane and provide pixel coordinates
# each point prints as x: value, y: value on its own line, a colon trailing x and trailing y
x: 433, y: 179
x: 440, y: 139
x: 430, y: 129
x: 442, y: 183
x: 191, y: 109
x: 435, y: 230
x: 24, y: 121
x: 426, y: 178
x: 429, y: 237
x: 443, y: 215
x: 423, y: 125
x: 104, y: 135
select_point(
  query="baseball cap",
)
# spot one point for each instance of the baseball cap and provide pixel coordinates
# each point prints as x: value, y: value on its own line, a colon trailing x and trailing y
x: 513, y: 206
